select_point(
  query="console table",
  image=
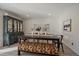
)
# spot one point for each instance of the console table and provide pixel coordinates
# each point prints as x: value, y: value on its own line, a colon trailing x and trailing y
x: 40, y: 37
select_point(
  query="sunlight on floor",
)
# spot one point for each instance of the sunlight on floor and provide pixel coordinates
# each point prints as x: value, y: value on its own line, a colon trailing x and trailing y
x: 8, y: 50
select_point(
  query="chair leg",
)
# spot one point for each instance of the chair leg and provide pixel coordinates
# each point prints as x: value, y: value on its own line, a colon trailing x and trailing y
x: 62, y: 47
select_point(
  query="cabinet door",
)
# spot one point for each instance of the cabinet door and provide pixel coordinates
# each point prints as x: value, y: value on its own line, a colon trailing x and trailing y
x: 10, y: 27
x: 21, y: 26
x: 18, y: 26
x: 15, y: 26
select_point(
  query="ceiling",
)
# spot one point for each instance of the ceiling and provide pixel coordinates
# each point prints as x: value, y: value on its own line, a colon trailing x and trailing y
x: 35, y: 10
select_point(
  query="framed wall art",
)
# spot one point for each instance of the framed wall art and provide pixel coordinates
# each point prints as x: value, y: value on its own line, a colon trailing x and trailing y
x: 67, y: 25
x: 41, y: 27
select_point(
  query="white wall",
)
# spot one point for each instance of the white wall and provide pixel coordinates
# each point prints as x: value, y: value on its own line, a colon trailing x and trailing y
x: 2, y: 12
x: 73, y: 36
x: 29, y: 23
x: 1, y: 29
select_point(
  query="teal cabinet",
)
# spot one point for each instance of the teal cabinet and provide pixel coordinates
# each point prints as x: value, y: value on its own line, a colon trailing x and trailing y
x: 11, y: 28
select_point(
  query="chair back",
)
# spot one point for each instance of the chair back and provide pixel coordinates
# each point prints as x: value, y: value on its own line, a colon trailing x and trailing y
x: 61, y: 38
x: 35, y: 33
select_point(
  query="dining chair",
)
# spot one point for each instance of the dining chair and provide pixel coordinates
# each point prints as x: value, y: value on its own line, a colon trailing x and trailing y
x: 44, y: 34
x: 37, y: 34
x: 60, y: 42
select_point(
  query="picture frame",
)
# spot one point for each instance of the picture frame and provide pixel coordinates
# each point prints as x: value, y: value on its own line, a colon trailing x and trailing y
x: 40, y: 27
x: 67, y: 25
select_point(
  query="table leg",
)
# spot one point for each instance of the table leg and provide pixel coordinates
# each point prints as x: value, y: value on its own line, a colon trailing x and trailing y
x: 18, y: 51
x: 18, y: 46
x: 58, y: 45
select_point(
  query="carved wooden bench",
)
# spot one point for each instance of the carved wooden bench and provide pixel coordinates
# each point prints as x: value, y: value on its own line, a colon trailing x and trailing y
x: 35, y: 47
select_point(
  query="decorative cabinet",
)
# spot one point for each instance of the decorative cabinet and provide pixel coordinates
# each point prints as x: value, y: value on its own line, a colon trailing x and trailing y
x: 12, y: 28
